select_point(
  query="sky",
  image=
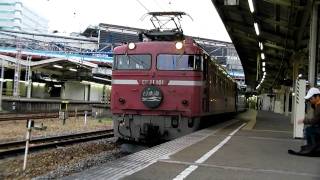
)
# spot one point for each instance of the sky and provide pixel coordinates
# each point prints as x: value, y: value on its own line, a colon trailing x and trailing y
x: 75, y: 15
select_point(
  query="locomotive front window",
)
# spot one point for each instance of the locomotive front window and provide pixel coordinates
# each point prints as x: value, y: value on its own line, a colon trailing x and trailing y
x: 179, y: 62
x: 132, y: 62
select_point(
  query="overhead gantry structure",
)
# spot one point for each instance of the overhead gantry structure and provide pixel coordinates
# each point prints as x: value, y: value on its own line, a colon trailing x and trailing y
x: 273, y: 39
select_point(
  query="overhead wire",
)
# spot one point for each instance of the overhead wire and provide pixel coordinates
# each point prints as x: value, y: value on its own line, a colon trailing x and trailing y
x: 143, y: 5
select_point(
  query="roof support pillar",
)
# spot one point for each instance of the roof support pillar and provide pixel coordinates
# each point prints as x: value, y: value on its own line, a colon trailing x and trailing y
x: 258, y: 66
x: 28, y: 76
x: 29, y: 85
x: 1, y: 82
x: 313, y: 45
x: 17, y: 73
x: 287, y: 101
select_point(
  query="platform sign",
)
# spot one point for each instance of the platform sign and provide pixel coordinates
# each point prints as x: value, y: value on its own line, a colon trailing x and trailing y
x: 298, y: 108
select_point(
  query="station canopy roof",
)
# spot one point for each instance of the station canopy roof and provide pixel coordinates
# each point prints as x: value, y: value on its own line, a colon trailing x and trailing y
x: 65, y: 68
x: 283, y: 30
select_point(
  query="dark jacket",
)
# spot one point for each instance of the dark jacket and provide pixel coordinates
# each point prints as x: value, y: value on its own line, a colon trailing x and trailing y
x: 316, y: 116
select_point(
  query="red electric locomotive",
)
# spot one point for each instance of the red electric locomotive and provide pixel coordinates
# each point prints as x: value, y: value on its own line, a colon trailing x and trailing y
x: 162, y: 88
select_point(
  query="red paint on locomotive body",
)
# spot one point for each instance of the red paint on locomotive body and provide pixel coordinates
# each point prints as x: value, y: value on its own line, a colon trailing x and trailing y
x: 185, y: 92
x: 176, y: 86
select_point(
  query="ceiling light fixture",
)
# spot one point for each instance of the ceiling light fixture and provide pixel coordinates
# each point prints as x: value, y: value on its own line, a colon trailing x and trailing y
x: 256, y: 28
x: 58, y: 66
x: 251, y: 6
x: 71, y: 69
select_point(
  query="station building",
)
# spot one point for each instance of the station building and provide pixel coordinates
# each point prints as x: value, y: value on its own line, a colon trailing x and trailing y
x: 14, y: 15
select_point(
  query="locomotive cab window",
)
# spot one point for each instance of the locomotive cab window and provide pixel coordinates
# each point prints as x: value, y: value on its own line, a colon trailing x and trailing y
x: 132, y: 62
x: 179, y: 62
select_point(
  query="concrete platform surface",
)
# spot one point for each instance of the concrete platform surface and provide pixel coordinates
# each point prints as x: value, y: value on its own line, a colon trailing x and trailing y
x: 228, y: 151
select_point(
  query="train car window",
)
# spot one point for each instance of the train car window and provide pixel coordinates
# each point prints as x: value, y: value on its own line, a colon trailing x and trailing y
x: 205, y: 67
x: 178, y: 62
x: 197, y: 63
x: 132, y: 62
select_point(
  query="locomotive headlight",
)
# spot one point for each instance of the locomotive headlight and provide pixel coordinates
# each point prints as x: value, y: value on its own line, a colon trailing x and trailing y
x: 179, y: 45
x: 132, y: 45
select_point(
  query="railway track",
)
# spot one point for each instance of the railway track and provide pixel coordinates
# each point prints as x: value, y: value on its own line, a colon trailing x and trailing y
x: 17, y: 147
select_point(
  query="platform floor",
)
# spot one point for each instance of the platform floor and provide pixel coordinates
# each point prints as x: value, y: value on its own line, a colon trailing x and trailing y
x: 253, y: 146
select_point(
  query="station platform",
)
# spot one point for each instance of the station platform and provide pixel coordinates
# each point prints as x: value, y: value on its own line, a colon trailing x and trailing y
x: 252, y: 146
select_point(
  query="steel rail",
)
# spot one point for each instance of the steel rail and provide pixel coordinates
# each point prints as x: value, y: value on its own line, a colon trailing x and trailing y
x: 17, y: 147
